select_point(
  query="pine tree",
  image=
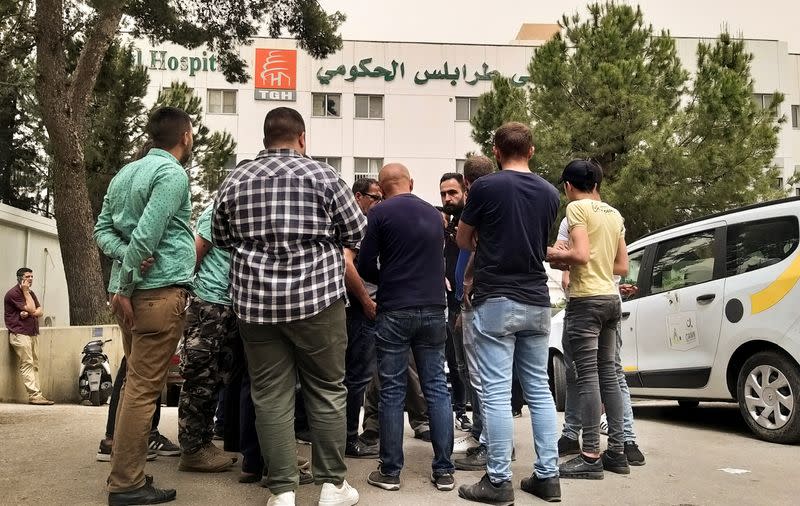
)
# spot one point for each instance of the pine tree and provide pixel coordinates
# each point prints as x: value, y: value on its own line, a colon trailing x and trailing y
x: 611, y: 89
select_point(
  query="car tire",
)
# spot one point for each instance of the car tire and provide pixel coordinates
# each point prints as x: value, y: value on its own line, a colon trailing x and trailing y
x: 173, y: 395
x: 94, y: 397
x: 558, y: 381
x: 688, y: 403
x: 769, y: 382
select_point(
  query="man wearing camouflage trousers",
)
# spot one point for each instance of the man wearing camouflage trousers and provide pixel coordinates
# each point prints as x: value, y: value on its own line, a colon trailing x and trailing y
x: 210, y: 323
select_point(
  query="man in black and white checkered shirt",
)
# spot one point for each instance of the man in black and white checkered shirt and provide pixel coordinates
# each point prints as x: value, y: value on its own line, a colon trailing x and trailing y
x: 286, y: 219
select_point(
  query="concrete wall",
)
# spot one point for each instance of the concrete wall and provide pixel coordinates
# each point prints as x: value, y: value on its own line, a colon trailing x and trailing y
x: 30, y: 240
x: 59, y: 361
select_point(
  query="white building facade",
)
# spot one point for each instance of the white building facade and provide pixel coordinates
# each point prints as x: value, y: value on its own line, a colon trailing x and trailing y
x: 377, y: 102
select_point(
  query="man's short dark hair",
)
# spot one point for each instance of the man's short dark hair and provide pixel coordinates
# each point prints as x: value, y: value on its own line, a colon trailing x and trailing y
x: 477, y: 166
x: 22, y: 271
x: 453, y: 175
x: 514, y: 140
x: 363, y: 185
x: 584, y: 175
x: 167, y: 125
x: 282, y: 124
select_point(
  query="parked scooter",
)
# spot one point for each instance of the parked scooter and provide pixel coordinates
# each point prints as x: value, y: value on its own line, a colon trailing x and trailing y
x: 94, y: 381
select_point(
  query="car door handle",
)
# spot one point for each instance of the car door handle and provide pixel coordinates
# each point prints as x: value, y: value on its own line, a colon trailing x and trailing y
x: 625, y: 315
x: 706, y: 298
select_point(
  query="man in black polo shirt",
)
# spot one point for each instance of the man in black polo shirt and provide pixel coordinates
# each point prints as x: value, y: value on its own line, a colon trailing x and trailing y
x: 406, y: 233
x: 506, y: 221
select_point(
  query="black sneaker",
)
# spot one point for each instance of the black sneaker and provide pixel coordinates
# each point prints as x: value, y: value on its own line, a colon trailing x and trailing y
x: 163, y: 446
x: 474, y: 461
x: 487, y: 492
x: 386, y: 482
x: 424, y: 435
x: 568, y: 446
x: 581, y: 469
x: 104, y: 452
x: 369, y: 438
x: 548, y: 489
x: 633, y: 454
x: 463, y: 423
x: 146, y: 494
x: 615, y: 462
x: 303, y: 437
x: 358, y: 450
x: 444, y: 482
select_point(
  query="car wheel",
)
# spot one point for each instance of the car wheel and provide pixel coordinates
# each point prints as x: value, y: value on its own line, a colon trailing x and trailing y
x: 688, y: 403
x: 173, y: 395
x: 94, y: 397
x: 558, y: 381
x: 768, y: 391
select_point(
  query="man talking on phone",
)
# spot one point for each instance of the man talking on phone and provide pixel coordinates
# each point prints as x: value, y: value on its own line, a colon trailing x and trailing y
x: 22, y: 312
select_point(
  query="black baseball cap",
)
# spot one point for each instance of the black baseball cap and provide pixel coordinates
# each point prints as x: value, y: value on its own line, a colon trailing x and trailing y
x: 582, y: 171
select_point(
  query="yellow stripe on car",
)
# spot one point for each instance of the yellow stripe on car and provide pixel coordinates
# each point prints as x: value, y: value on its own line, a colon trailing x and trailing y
x: 777, y: 290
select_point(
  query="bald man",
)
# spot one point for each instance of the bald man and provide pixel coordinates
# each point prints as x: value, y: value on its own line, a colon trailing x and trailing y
x: 406, y: 233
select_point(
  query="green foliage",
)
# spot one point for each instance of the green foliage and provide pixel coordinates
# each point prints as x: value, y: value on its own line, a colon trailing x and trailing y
x: 212, y: 151
x: 611, y: 89
x: 23, y: 160
x: 113, y: 134
x: 223, y: 25
x: 505, y: 102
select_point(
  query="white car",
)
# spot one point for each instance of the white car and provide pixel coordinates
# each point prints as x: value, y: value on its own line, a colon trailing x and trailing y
x: 715, y: 316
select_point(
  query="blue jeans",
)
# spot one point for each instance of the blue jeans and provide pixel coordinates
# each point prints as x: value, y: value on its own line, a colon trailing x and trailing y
x: 572, y: 407
x: 515, y: 335
x: 359, y: 365
x: 423, y: 331
x: 471, y: 362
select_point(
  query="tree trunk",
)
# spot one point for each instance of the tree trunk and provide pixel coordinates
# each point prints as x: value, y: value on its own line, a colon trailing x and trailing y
x: 64, y: 106
x: 75, y: 226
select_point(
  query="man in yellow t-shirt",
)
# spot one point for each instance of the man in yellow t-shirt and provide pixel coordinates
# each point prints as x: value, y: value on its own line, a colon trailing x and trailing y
x: 596, y: 252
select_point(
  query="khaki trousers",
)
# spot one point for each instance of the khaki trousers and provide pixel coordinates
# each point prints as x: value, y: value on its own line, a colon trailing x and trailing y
x: 25, y: 348
x: 158, y: 321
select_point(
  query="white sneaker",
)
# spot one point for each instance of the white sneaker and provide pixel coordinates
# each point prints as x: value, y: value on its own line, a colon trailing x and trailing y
x: 284, y: 499
x: 603, y: 425
x: 332, y: 495
x: 462, y: 444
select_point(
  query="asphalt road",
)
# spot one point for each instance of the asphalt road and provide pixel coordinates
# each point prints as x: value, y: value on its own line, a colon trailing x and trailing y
x: 48, y: 457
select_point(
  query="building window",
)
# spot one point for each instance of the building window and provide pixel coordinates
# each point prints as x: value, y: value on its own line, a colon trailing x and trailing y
x: 779, y: 183
x: 460, y: 165
x: 222, y: 101
x: 369, y: 106
x: 797, y: 192
x: 367, y: 167
x: 326, y: 105
x: 762, y: 100
x: 333, y: 161
x: 466, y: 108
x: 796, y: 116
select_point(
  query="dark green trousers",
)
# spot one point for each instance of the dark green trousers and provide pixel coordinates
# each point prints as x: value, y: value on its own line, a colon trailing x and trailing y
x: 312, y: 350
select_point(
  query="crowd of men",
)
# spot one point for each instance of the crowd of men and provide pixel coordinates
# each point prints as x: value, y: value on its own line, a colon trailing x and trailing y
x: 305, y: 301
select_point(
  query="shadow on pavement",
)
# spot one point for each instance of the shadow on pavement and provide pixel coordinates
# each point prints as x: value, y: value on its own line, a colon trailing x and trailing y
x: 724, y: 417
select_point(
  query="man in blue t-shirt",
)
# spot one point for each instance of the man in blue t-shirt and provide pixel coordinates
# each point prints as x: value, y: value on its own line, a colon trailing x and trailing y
x: 406, y: 234
x: 506, y: 221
